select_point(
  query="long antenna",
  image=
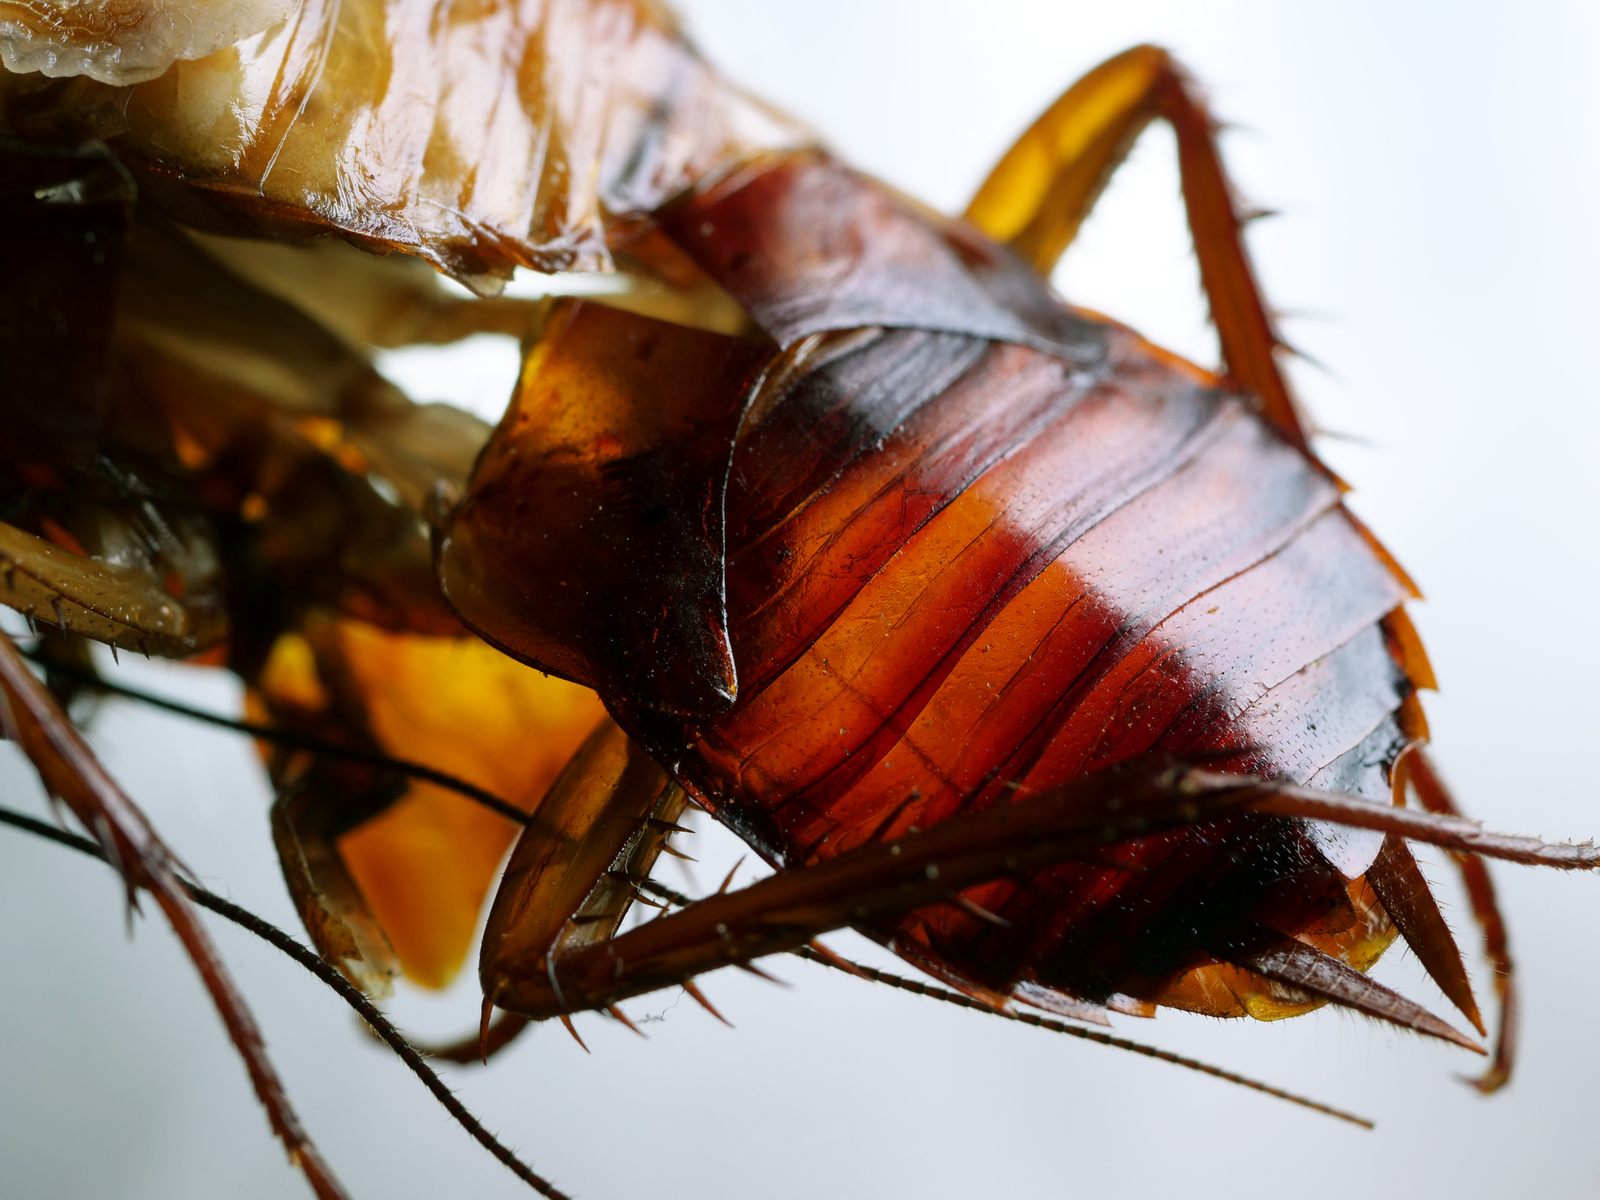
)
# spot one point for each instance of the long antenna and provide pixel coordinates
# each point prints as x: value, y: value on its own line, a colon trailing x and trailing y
x: 506, y: 809
x: 945, y: 996
x: 850, y: 967
x: 301, y: 741
x: 379, y: 1024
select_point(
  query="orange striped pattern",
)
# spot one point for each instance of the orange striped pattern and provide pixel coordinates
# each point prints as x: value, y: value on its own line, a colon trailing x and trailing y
x: 961, y: 570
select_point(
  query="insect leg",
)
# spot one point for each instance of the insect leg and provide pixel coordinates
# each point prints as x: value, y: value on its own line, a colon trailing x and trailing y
x: 578, y: 868
x: 69, y: 769
x: 571, y: 875
x: 1040, y: 192
x: 116, y: 604
x: 1419, y: 770
x: 877, y: 880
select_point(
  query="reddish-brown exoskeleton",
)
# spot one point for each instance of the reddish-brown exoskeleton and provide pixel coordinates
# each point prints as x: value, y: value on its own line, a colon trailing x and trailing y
x: 1050, y: 661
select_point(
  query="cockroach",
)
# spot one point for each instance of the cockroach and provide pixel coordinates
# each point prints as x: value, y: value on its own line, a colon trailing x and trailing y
x: 1028, y: 856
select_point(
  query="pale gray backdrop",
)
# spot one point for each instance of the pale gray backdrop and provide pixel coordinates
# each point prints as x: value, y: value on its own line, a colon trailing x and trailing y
x: 1439, y: 168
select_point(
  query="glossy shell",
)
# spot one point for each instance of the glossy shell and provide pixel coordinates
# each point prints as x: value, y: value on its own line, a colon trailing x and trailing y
x: 956, y: 569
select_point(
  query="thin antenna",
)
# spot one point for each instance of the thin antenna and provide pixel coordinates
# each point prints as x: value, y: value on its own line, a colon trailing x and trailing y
x: 365, y: 1009
x: 861, y: 970
x: 300, y: 741
x: 1089, y: 1035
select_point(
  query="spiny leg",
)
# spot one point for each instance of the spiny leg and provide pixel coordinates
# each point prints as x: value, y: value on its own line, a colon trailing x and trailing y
x: 1036, y: 200
x: 30, y: 717
x: 305, y: 831
x: 110, y: 602
x: 1040, y: 192
x: 603, y: 910
x: 379, y: 1025
x: 877, y: 880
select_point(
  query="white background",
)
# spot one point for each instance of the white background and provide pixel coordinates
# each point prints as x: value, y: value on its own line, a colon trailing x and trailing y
x: 1440, y: 171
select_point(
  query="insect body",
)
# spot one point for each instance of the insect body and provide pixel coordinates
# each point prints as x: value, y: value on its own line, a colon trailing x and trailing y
x: 991, y: 571
x: 922, y: 552
x: 973, y: 548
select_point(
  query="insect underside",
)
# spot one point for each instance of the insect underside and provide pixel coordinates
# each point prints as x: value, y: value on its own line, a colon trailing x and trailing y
x: 1048, y: 660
